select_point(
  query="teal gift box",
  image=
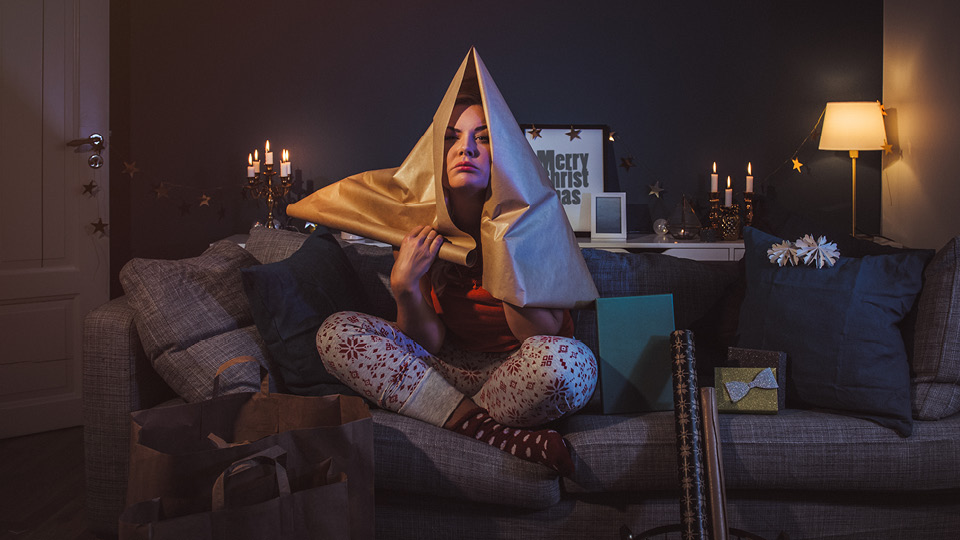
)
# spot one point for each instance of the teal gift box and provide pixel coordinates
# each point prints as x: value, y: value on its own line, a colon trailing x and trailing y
x: 746, y: 390
x: 634, y: 353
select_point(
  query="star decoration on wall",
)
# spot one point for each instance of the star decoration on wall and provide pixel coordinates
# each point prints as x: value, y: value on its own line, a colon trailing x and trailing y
x: 204, y: 200
x: 162, y: 190
x: 99, y: 226
x: 613, y: 136
x: 130, y: 168
x: 656, y: 189
x: 88, y: 189
x: 626, y: 163
x: 535, y: 133
x: 887, y: 147
x: 797, y: 164
x: 573, y: 133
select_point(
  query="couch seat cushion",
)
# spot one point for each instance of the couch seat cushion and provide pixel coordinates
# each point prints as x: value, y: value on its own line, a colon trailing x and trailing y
x: 416, y: 457
x: 795, y: 449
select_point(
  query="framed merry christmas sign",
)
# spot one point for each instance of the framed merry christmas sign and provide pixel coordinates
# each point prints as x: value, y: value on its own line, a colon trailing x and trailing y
x: 572, y: 156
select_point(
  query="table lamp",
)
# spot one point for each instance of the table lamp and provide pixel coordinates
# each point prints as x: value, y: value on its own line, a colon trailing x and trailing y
x: 853, y: 126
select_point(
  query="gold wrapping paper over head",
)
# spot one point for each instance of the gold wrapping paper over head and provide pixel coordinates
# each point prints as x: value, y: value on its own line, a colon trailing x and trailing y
x: 530, y: 254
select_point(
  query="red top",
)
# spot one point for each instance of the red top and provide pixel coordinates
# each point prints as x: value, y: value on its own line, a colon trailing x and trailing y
x: 475, y: 320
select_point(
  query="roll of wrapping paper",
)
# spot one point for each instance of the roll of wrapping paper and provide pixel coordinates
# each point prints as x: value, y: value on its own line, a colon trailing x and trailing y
x: 690, y: 463
x: 713, y: 463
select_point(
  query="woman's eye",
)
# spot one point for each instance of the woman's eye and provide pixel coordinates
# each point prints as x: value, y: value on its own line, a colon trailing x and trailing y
x: 485, y: 139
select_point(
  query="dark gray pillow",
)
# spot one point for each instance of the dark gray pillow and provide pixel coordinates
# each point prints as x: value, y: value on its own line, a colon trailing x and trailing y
x: 192, y: 316
x: 936, y: 348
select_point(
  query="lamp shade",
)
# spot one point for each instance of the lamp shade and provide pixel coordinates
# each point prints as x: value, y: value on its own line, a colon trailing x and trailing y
x: 852, y: 125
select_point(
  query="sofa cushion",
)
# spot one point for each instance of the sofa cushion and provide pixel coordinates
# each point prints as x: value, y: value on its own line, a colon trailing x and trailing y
x: 192, y: 316
x: 936, y: 352
x: 291, y: 298
x: 414, y: 457
x: 792, y: 450
x: 838, y: 326
x: 273, y: 245
x: 373, y: 262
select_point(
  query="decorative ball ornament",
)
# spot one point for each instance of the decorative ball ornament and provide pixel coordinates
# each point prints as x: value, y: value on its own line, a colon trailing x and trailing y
x: 660, y: 227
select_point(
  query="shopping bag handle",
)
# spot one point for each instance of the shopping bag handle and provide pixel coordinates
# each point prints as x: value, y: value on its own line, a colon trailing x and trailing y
x: 264, y: 375
x: 270, y: 456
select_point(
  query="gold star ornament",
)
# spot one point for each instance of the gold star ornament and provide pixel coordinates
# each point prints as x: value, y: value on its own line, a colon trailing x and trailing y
x: 162, y: 190
x: 204, y: 200
x: 535, y: 133
x: 88, y: 189
x: 99, y: 226
x: 573, y: 133
x: 656, y: 189
x: 626, y: 163
x: 887, y: 147
x: 797, y: 164
x: 130, y: 168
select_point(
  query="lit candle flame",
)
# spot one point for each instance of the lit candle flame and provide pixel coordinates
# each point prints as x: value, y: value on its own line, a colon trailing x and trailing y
x: 728, y: 182
x: 268, y: 145
x: 749, y: 173
x: 249, y: 159
x: 714, y: 167
x: 286, y: 155
x: 256, y: 157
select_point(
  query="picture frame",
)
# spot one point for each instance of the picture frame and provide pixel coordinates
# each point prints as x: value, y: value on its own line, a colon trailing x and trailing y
x: 573, y: 157
x: 608, y: 216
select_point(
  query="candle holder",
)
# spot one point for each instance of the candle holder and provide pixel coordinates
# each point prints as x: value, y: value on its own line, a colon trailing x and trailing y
x: 730, y: 222
x: 713, y: 217
x: 683, y: 223
x: 263, y: 186
x: 748, y: 208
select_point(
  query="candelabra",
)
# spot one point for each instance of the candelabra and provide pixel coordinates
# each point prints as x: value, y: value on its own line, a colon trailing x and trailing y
x: 747, y: 208
x: 262, y: 185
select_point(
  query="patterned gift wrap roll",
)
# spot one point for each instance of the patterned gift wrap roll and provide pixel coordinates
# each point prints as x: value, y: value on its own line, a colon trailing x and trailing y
x: 693, y: 511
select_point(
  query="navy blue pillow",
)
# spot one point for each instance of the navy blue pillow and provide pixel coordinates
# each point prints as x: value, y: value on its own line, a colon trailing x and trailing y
x: 838, y: 326
x: 290, y: 300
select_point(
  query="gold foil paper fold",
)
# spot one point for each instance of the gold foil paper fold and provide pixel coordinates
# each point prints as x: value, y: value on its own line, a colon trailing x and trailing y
x: 530, y: 254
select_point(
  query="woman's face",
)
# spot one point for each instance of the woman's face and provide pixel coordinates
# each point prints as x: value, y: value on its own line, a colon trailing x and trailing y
x: 467, y: 150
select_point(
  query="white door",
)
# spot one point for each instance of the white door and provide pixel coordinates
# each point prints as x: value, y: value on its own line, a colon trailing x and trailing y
x: 54, y: 266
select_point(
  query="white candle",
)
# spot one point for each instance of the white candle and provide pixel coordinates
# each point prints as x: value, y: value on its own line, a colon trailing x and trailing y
x: 285, y: 163
x: 713, y: 179
x: 728, y: 194
x: 256, y: 161
x: 749, y: 179
x: 268, y: 155
x: 250, y: 172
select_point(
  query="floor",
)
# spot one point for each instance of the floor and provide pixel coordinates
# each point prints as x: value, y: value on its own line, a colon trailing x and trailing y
x: 42, y: 487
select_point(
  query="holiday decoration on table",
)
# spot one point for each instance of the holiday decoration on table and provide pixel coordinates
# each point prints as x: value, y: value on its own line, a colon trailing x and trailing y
x: 817, y: 252
x: 656, y: 189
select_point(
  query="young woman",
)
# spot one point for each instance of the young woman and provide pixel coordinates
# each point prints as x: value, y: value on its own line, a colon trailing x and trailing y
x: 456, y: 356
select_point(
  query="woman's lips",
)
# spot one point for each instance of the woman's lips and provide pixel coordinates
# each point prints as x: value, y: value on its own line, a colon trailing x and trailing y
x: 463, y: 165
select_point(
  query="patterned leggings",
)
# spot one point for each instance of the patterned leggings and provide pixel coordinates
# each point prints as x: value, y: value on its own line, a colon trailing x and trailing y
x: 546, y: 378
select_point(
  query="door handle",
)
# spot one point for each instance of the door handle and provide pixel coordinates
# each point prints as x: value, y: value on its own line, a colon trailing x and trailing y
x: 95, y: 161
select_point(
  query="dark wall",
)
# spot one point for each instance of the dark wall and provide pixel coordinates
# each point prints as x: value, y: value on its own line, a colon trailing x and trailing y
x: 350, y: 86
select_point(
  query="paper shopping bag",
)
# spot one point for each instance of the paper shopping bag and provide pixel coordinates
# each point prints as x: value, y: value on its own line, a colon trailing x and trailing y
x: 178, y: 452
x: 253, y: 498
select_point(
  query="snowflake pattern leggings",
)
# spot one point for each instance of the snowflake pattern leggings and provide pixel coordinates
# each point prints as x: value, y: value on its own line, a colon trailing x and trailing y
x: 546, y: 378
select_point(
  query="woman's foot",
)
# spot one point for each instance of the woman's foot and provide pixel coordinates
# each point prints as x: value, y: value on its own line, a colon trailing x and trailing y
x: 545, y: 446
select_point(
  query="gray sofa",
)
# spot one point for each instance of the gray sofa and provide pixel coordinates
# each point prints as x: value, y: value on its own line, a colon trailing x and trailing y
x: 810, y: 474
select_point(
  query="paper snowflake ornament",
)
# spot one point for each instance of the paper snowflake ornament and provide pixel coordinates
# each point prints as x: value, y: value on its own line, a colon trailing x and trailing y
x: 783, y: 254
x: 819, y: 252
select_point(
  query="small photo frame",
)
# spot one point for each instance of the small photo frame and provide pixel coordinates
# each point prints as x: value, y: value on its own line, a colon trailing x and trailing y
x: 608, y: 216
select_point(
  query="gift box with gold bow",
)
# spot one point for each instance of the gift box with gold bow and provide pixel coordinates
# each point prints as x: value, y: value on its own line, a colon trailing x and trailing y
x: 746, y: 390
x: 755, y: 358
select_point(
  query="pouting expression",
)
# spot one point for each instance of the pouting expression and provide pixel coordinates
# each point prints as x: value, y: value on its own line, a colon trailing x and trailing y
x: 467, y: 150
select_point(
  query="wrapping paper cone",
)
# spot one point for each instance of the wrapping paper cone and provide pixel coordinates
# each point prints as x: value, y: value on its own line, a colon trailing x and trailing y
x: 530, y: 254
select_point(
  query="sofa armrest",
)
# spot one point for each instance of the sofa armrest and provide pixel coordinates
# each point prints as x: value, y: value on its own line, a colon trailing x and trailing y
x: 117, y: 380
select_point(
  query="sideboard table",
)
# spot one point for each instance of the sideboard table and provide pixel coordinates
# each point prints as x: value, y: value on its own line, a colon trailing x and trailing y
x: 727, y: 250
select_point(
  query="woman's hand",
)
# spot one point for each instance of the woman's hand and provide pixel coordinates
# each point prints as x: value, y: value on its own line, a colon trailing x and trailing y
x: 411, y: 287
x: 417, y: 252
